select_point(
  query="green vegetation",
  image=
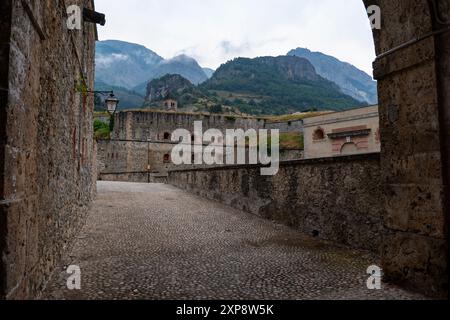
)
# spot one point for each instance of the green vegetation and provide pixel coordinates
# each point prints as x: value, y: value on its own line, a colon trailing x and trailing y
x: 296, y: 117
x: 289, y: 141
x: 258, y: 86
x: 292, y: 140
x: 101, y: 130
x: 261, y: 86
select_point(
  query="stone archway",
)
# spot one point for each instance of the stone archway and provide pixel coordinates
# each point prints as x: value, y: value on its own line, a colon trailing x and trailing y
x: 413, y: 72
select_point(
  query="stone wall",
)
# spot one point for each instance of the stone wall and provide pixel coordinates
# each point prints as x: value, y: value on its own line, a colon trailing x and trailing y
x: 412, y: 127
x: 337, y: 199
x: 138, y: 177
x: 144, y: 125
x: 136, y: 161
x: 147, y: 124
x: 129, y: 152
x: 443, y: 69
x: 47, y: 150
x: 285, y: 126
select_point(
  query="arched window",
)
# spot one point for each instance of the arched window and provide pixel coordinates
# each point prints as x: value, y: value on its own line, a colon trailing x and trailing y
x: 319, y: 134
x: 166, y: 136
x: 167, y: 158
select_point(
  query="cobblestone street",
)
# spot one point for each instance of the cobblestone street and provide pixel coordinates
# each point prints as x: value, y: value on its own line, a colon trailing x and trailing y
x: 153, y: 241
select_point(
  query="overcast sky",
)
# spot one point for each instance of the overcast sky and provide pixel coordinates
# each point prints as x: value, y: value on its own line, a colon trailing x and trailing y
x: 215, y: 31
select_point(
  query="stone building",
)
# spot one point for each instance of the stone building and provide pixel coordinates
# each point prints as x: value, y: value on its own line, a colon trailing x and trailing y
x: 147, y: 125
x: 342, y: 133
x: 46, y: 146
x: 170, y: 103
x: 141, y: 143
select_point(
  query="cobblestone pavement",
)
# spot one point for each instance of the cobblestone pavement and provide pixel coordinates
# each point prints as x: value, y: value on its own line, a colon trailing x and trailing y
x: 154, y: 241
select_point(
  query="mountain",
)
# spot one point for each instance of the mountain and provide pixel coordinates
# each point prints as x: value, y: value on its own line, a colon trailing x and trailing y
x: 276, y: 85
x: 209, y: 72
x: 178, y: 87
x: 182, y: 65
x: 351, y: 80
x: 128, y: 99
x: 132, y: 66
x: 123, y: 64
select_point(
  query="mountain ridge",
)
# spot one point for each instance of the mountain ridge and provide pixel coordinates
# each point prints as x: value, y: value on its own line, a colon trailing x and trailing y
x: 352, y: 81
x: 308, y: 79
x: 132, y: 66
x: 285, y: 83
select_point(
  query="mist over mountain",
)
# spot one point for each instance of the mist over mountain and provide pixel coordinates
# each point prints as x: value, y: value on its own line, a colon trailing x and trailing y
x: 182, y: 65
x: 132, y: 66
x: 209, y: 72
x: 352, y: 81
x: 124, y: 64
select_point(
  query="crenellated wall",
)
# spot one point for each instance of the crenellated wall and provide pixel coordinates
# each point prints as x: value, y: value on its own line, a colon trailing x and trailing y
x: 144, y: 125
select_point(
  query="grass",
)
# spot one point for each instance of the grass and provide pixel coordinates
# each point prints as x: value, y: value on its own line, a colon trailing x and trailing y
x: 101, y: 130
x: 100, y: 113
x: 291, y: 140
x: 296, y: 117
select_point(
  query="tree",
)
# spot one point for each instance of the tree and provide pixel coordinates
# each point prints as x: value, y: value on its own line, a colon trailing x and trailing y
x: 217, y: 108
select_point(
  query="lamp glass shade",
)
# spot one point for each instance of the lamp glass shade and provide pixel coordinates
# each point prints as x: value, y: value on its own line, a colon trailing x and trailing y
x: 111, y: 103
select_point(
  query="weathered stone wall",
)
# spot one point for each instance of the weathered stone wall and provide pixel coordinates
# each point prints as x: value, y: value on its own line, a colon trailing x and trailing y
x: 5, y: 26
x: 415, y: 249
x: 443, y: 70
x: 122, y: 160
x: 46, y: 142
x: 129, y: 151
x: 138, y: 177
x: 285, y: 126
x: 337, y: 199
x: 144, y: 125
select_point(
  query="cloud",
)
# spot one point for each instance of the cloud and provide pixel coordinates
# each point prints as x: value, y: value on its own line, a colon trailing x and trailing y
x: 214, y: 31
x: 106, y: 60
x: 234, y: 49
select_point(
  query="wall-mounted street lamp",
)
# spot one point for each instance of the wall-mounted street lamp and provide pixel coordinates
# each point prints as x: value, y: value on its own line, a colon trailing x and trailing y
x: 111, y: 105
x: 94, y: 17
x: 111, y: 101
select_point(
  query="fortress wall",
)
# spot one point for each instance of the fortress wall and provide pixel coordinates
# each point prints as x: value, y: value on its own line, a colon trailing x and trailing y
x: 337, y: 199
x: 144, y: 125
